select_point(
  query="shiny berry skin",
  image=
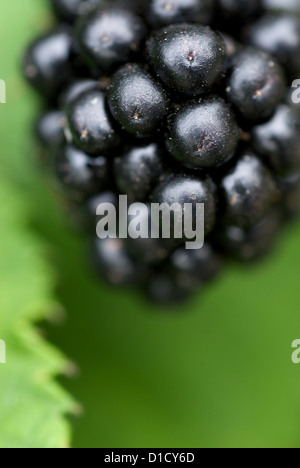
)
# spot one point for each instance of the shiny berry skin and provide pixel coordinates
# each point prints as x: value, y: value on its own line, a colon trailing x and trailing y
x: 76, y: 88
x: 234, y: 10
x: 152, y: 249
x: 69, y: 10
x: 278, y: 140
x: 79, y: 172
x: 288, y: 6
x: 164, y: 291
x: 193, y: 267
x: 203, y: 134
x: 187, y: 58
x: 90, y: 124
x: 100, y: 198
x: 254, y: 243
x: 182, y: 189
x: 114, y: 264
x: 164, y: 12
x: 173, y: 103
x: 138, y: 170
x: 109, y: 37
x: 47, y: 62
x: 289, y: 186
x: 256, y: 84
x: 137, y: 101
x: 248, y: 192
x: 279, y: 35
x: 50, y: 128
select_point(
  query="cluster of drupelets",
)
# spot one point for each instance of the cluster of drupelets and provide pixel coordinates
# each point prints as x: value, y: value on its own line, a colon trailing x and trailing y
x: 186, y: 101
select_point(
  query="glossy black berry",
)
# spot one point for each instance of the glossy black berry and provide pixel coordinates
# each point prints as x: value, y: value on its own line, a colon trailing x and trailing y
x: 47, y: 62
x: 50, y: 128
x: 91, y: 205
x: 248, y: 192
x: 165, y: 12
x: 188, y: 58
x: 137, y: 101
x: 75, y: 88
x: 69, y: 10
x: 237, y: 10
x: 203, y: 134
x: 254, y: 243
x: 79, y: 172
x: 138, y: 170
x: 288, y: 6
x: 279, y: 35
x: 256, y: 84
x: 90, y: 124
x: 278, y: 140
x: 114, y: 264
x: 188, y: 189
x: 289, y: 186
x: 161, y: 107
x: 109, y: 37
x: 163, y: 290
x: 191, y: 268
x: 150, y: 247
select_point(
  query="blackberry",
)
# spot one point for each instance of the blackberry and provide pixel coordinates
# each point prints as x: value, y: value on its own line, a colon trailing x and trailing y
x: 187, y: 58
x: 151, y: 249
x: 75, y: 88
x: 79, y: 172
x: 47, y: 62
x: 69, y: 10
x: 278, y: 140
x: 256, y: 84
x: 162, y: 12
x: 174, y: 104
x: 137, y: 171
x: 203, y: 134
x: 109, y: 37
x: 279, y: 35
x: 90, y: 124
x: 248, y: 245
x: 248, y: 192
x: 137, y: 102
x: 114, y: 264
x: 188, y: 189
x: 50, y: 128
x: 191, y: 268
x: 289, y: 6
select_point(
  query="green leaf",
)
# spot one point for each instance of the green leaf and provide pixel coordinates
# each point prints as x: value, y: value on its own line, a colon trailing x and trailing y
x: 216, y: 373
x: 33, y: 406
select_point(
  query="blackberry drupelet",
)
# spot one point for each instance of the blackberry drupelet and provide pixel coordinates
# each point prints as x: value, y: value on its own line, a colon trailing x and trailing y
x: 173, y: 101
x: 90, y: 124
x: 256, y: 84
x: 188, y: 58
x: 203, y: 134
x: 79, y: 172
x: 137, y: 102
x: 138, y: 170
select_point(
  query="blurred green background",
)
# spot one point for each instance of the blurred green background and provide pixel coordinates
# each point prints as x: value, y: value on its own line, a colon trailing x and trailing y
x: 215, y: 373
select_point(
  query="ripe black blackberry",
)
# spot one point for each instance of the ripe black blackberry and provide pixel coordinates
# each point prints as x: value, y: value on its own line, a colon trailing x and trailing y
x: 173, y: 101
